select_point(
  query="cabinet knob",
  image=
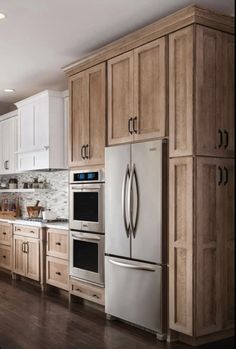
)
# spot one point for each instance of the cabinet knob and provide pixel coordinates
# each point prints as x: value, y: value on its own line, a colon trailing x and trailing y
x: 4, y: 257
x: 58, y: 243
x: 58, y: 273
x: 4, y: 233
x: 95, y: 296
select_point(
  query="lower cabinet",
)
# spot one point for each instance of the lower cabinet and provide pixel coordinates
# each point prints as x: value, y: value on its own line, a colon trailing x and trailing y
x: 5, y: 246
x: 87, y: 291
x: 57, y: 269
x: 201, y: 245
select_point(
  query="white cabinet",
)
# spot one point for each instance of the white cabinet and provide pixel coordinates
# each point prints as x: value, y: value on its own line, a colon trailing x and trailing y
x: 41, y: 132
x: 8, y: 143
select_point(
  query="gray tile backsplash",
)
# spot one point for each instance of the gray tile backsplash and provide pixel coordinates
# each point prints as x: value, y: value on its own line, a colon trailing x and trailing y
x: 55, y: 197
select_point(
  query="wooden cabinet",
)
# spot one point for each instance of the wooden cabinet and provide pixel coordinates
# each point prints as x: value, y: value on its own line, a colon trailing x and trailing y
x: 87, y: 117
x: 137, y: 97
x: 201, y: 245
x: 8, y: 143
x: 87, y: 291
x: 41, y: 132
x: 57, y: 258
x: 5, y: 246
x: 201, y: 92
x: 28, y: 252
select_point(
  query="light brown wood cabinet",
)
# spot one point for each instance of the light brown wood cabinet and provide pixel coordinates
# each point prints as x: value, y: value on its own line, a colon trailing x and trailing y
x: 137, y: 95
x: 5, y: 246
x: 87, y: 291
x: 201, y: 98
x: 57, y: 266
x: 26, y: 257
x: 201, y: 249
x: 87, y: 117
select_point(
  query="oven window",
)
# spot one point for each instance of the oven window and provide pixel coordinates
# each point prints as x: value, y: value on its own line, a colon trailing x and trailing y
x: 86, y: 255
x: 86, y: 206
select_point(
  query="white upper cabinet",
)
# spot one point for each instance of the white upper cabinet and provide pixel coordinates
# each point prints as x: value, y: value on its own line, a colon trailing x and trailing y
x: 8, y: 143
x: 41, y: 132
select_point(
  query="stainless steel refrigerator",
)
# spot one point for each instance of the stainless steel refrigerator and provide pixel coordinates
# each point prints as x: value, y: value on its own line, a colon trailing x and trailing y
x: 134, y: 234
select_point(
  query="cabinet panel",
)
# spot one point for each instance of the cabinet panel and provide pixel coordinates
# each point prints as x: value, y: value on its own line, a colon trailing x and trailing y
x: 32, y: 259
x: 79, y: 122
x: 26, y: 161
x: 150, y: 98
x: 5, y: 257
x: 8, y: 144
x: 57, y: 273
x: 97, y: 114
x: 181, y: 244
x: 26, y: 141
x: 19, y: 258
x: 181, y: 92
x: 120, y: 98
x: 41, y: 123
x: 5, y: 234
x: 57, y: 243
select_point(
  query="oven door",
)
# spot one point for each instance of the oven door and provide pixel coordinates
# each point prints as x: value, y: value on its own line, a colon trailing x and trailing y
x: 87, y: 256
x: 87, y: 207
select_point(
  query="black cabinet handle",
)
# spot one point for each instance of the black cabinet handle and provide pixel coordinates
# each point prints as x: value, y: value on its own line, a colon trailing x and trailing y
x: 58, y: 243
x: 81, y: 151
x: 4, y: 233
x: 221, y: 138
x: 221, y: 175
x: 95, y: 296
x: 4, y: 257
x: 226, y: 175
x: 130, y: 122
x: 87, y: 151
x: 135, y: 121
x: 226, y: 139
x: 58, y: 273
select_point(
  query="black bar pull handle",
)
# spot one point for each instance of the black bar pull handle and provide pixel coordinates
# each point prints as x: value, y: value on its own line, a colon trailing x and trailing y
x: 130, y: 122
x: 226, y: 139
x: 81, y: 151
x: 135, y: 122
x: 226, y: 175
x: 221, y: 175
x: 221, y: 138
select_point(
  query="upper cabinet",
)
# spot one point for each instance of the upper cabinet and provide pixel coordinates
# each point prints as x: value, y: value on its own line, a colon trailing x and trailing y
x: 201, y: 99
x: 41, y: 135
x: 87, y: 117
x: 137, y: 96
x: 8, y: 143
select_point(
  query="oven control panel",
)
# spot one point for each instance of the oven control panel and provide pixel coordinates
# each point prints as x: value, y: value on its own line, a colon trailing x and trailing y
x: 87, y: 176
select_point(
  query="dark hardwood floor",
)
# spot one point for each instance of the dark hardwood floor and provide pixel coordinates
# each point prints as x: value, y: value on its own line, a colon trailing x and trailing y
x: 30, y: 320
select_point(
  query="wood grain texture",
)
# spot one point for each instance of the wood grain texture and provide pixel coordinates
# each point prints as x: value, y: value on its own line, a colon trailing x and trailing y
x: 5, y: 257
x: 182, y: 18
x: 57, y: 243
x: 181, y: 245
x: 181, y: 45
x: 150, y: 90
x: 57, y: 273
x: 5, y: 234
x: 87, y: 291
x: 120, y: 98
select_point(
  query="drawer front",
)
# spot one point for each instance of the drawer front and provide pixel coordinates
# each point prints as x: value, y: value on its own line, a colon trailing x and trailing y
x: 5, y: 234
x: 57, y: 273
x: 5, y: 257
x: 29, y: 231
x: 87, y: 291
x: 57, y: 243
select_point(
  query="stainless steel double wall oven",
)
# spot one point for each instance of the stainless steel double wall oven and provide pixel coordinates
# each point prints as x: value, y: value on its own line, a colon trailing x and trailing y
x: 87, y: 225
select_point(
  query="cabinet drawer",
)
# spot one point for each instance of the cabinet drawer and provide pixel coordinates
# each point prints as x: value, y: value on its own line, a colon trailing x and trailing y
x: 57, y: 243
x: 5, y: 257
x: 29, y: 231
x: 57, y: 272
x: 5, y: 234
x: 87, y: 291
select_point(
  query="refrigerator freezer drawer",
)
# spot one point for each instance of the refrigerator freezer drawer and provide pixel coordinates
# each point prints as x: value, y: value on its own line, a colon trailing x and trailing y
x: 134, y: 292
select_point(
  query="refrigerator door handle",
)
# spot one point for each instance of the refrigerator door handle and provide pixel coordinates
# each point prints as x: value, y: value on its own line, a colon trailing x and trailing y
x: 132, y: 266
x: 124, y: 186
x: 133, y: 176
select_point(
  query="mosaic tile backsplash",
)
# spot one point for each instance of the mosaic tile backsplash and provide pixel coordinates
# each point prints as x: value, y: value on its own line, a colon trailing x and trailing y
x: 55, y: 197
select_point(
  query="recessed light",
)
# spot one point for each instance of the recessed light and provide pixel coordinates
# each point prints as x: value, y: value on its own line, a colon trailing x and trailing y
x: 2, y: 15
x: 9, y: 90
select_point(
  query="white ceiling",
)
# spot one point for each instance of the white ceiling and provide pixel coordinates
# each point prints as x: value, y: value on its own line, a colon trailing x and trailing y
x: 38, y: 37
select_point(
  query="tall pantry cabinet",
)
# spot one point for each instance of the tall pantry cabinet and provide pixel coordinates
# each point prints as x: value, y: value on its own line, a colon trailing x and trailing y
x: 201, y: 180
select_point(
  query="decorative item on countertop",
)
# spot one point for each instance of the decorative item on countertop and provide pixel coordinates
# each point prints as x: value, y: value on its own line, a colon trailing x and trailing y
x: 35, y: 183
x: 13, y: 183
x: 8, y: 211
x: 3, y: 183
x: 34, y: 211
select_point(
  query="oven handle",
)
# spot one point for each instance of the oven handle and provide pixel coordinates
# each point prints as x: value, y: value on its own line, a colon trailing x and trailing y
x: 85, y: 189
x: 85, y: 238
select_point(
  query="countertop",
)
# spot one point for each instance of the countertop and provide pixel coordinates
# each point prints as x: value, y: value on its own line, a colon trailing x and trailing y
x: 54, y: 225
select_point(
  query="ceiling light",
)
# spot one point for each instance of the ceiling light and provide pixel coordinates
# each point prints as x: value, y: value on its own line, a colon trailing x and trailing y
x: 9, y: 90
x: 2, y: 15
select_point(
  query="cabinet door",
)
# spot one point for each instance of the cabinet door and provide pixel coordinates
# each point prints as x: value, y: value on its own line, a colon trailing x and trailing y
x: 181, y: 45
x: 5, y: 257
x: 1, y: 146
x: 150, y: 98
x: 8, y: 144
x: 26, y: 141
x: 41, y: 123
x: 227, y: 95
x: 26, y: 161
x: 19, y: 257
x: 32, y: 259
x: 120, y: 98
x: 5, y: 234
x: 97, y: 112
x: 79, y: 122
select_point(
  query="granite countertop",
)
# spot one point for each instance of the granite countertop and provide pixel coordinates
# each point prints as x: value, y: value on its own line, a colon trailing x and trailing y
x: 21, y: 221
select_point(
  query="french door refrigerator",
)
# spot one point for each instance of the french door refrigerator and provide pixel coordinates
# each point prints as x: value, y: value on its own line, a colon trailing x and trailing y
x: 134, y: 238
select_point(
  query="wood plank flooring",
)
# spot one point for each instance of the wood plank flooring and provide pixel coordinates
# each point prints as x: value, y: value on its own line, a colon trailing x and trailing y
x: 30, y: 320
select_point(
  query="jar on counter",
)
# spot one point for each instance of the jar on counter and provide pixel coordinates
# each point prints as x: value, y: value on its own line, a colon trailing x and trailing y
x: 13, y: 183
